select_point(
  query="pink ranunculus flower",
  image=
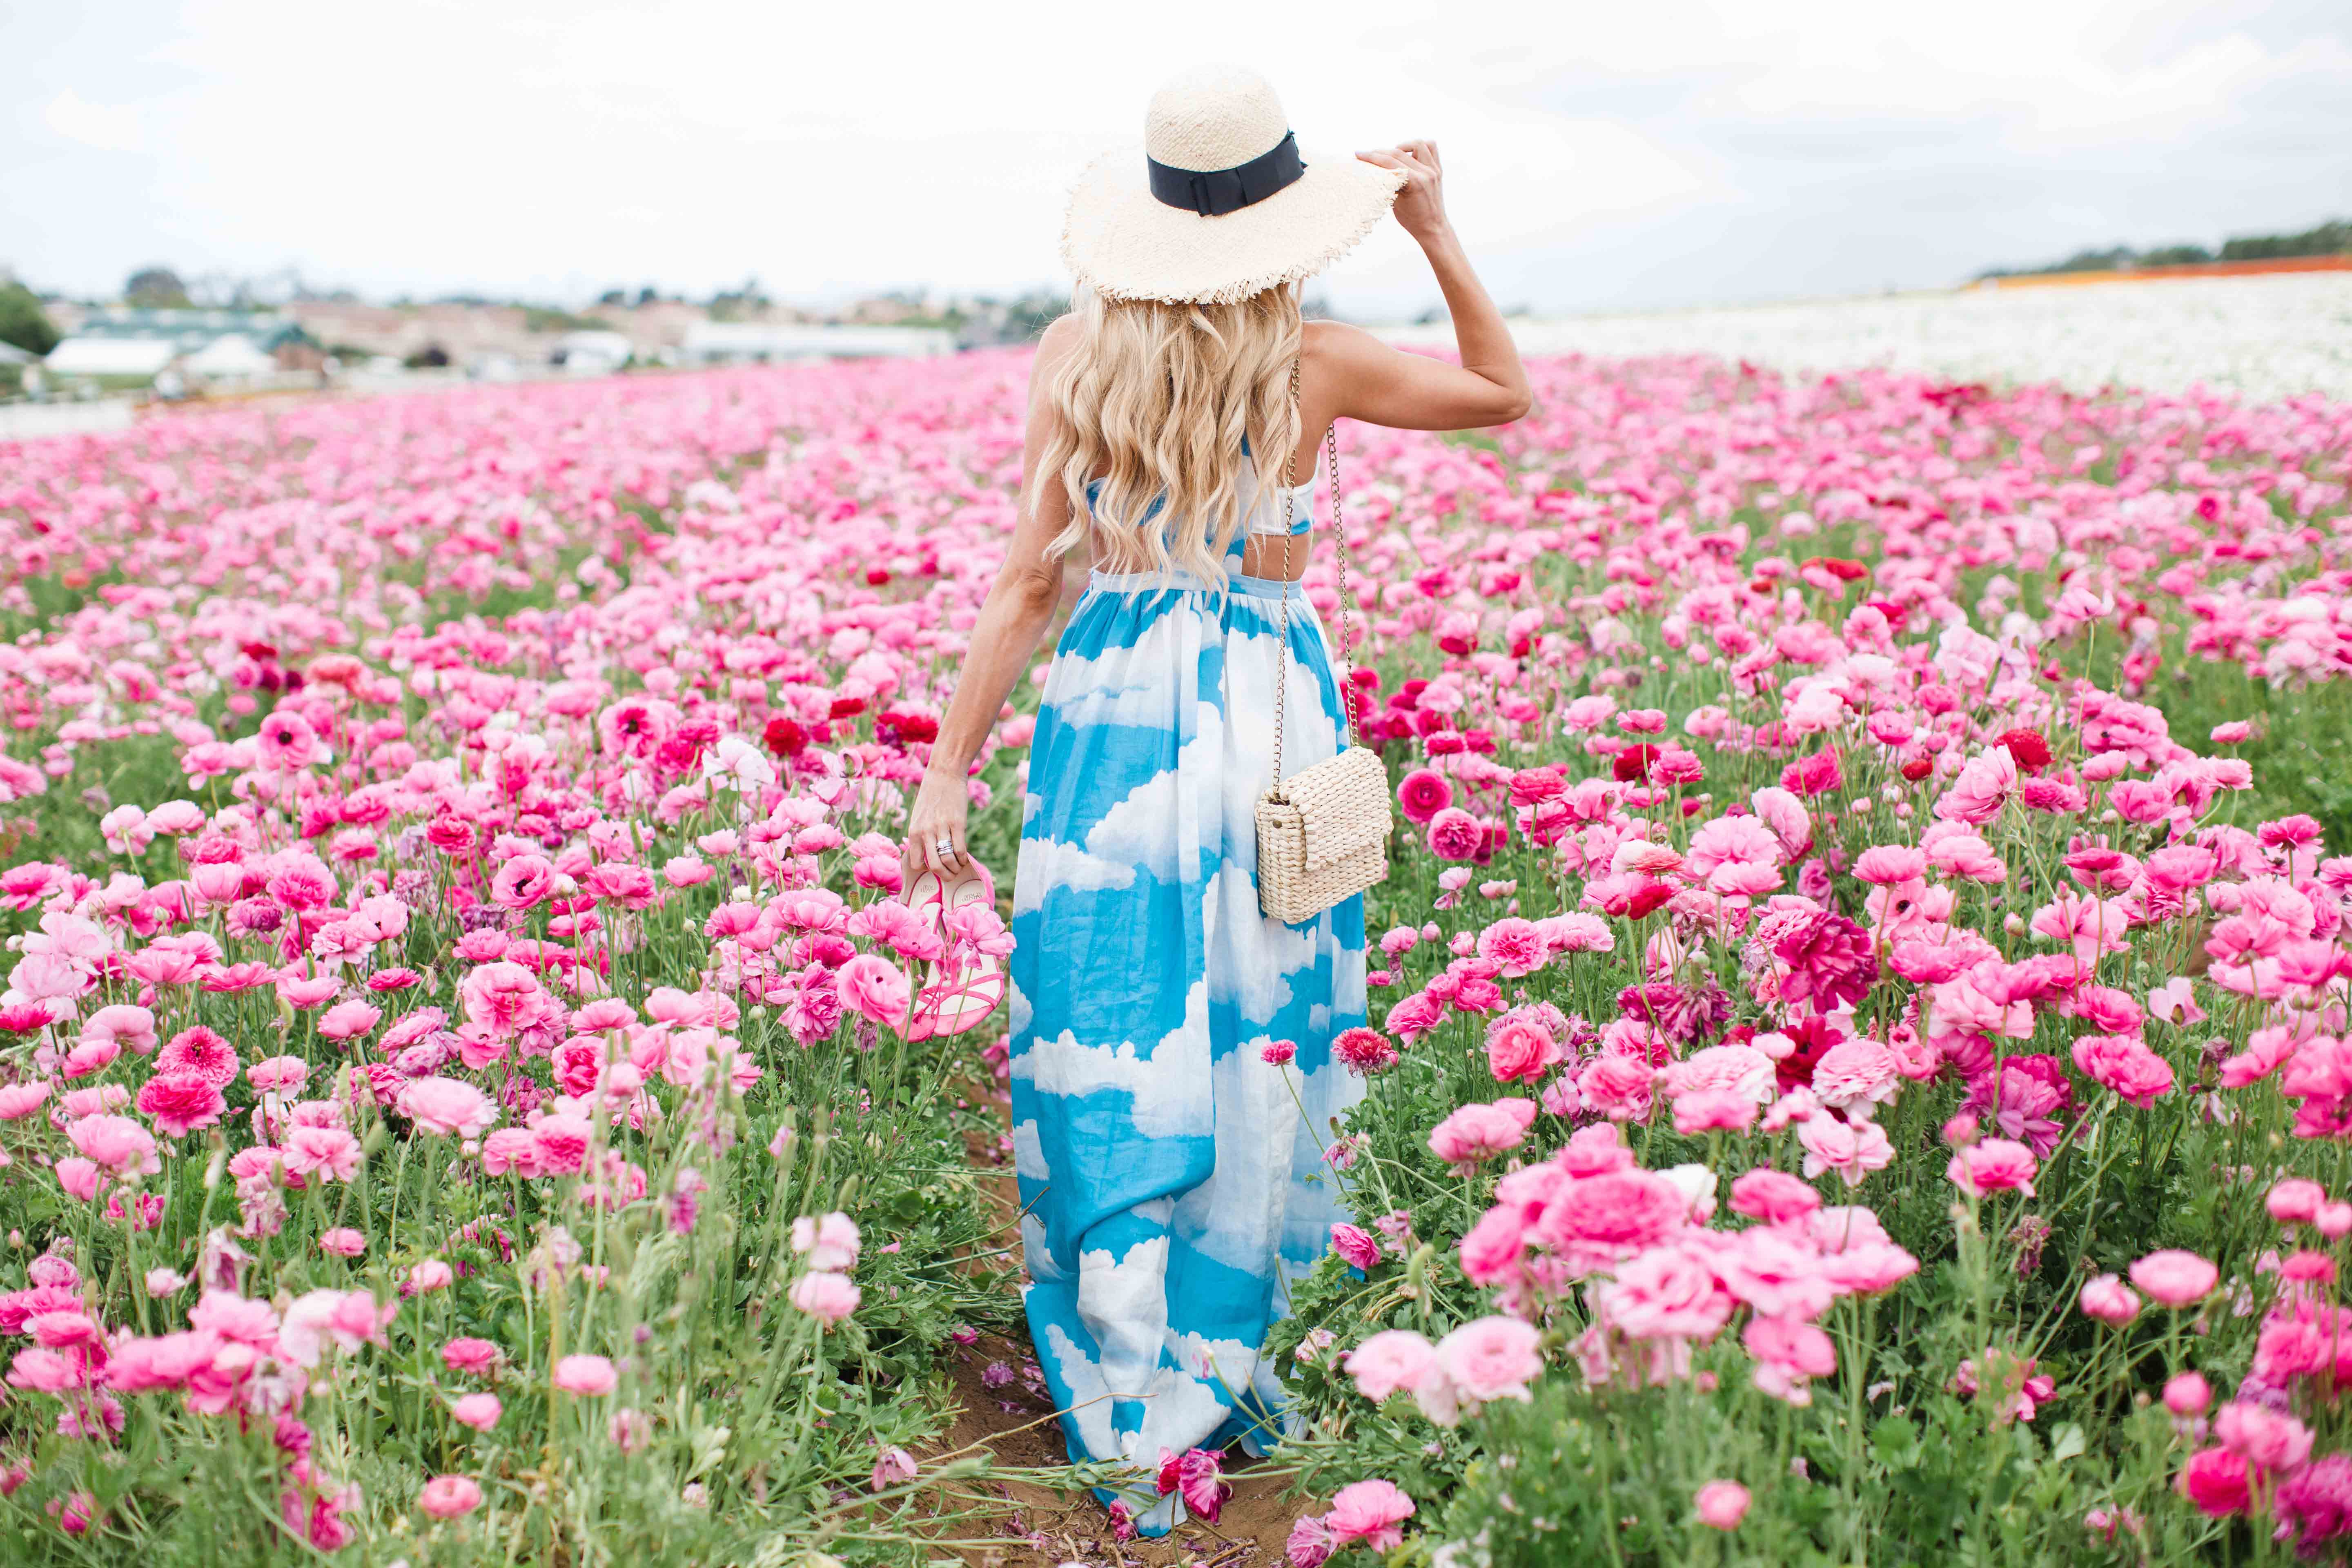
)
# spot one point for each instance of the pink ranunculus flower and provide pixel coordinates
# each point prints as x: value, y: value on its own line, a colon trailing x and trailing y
x: 831, y: 1243
x: 181, y: 1102
x: 875, y: 988
x: 1455, y: 834
x: 448, y: 1497
x: 1851, y: 1149
x: 447, y: 1106
x: 1773, y: 1195
x: 348, y: 1020
x: 1721, y: 1505
x: 1789, y: 1355
x: 78, y: 1177
x: 588, y: 1376
x: 330, y: 1152
x: 1520, y: 1049
x: 827, y: 1297
x: 2295, y: 1200
x: 1355, y: 1245
x: 480, y: 1411
x: 2109, y: 1299
x: 1390, y: 1360
x: 116, y: 1144
x: 1423, y: 794
x: 2175, y: 1278
x: 1369, y: 1513
x: 1478, y: 1133
x: 2124, y: 1064
x: 1993, y: 1165
x: 1516, y: 944
x: 2271, y: 1438
x: 2217, y: 1482
x: 345, y: 1320
x: 1491, y: 1358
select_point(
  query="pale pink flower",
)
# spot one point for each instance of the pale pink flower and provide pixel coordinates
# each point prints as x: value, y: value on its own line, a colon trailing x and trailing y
x: 116, y: 1144
x: 829, y: 1298
x: 1721, y: 1505
x: 1491, y: 1358
x: 1389, y: 1361
x: 1476, y: 1133
x: 1993, y: 1165
x: 480, y: 1411
x: 1852, y: 1149
x: 448, y: 1497
x: 342, y: 1242
x: 2109, y: 1299
x: 447, y: 1106
x: 346, y: 1319
x: 588, y: 1376
x: 2172, y: 1278
x: 831, y: 1243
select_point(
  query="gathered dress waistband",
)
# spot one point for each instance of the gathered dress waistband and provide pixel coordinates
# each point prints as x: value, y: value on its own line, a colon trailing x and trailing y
x: 1186, y: 582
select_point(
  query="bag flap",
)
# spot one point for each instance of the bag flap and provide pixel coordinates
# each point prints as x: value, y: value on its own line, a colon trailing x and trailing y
x: 1345, y: 805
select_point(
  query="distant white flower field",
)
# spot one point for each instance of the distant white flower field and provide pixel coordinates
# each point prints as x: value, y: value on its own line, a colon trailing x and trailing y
x: 2264, y: 338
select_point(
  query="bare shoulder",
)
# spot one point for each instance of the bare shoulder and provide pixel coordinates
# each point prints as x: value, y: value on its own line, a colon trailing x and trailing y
x: 1061, y: 335
x: 1337, y: 344
x: 1346, y: 362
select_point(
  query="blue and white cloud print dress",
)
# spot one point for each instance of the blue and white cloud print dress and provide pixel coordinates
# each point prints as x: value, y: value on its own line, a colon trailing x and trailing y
x: 1173, y: 1180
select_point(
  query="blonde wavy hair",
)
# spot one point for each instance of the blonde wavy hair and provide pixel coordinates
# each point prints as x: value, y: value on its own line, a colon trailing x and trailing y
x: 1156, y: 402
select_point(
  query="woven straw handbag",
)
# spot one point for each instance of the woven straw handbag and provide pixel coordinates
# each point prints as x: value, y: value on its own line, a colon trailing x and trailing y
x: 1323, y: 832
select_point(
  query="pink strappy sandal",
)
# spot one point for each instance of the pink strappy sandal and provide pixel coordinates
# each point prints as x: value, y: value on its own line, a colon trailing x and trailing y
x: 953, y: 1001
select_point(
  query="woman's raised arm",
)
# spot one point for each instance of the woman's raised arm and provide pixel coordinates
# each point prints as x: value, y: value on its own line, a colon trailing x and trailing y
x: 1383, y: 386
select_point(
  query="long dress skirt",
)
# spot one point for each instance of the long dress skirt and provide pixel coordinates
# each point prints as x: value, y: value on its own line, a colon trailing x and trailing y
x: 1173, y: 1180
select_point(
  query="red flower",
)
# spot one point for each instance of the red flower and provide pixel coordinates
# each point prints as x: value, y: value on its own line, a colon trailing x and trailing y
x: 1643, y: 901
x: 1896, y: 614
x: 1814, y: 1038
x: 2029, y: 748
x: 784, y: 737
x: 905, y: 729
x: 1633, y: 764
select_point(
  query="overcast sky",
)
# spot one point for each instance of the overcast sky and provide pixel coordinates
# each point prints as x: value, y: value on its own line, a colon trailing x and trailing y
x: 1599, y: 156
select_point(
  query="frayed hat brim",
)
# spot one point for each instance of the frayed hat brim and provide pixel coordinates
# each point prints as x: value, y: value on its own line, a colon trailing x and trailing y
x: 1124, y: 242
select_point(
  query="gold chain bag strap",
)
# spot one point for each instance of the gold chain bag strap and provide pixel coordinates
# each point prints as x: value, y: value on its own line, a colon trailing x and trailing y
x: 1323, y: 832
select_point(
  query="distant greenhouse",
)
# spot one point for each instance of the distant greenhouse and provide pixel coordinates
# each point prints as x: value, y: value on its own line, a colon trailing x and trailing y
x: 762, y: 343
x: 135, y: 341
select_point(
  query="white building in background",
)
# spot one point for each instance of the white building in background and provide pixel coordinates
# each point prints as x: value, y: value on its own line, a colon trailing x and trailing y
x: 212, y: 345
x: 110, y: 357
x: 592, y: 353
x: 231, y: 356
x: 762, y: 343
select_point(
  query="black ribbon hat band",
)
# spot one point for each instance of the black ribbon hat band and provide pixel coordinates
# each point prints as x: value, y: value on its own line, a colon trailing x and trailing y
x: 1212, y: 193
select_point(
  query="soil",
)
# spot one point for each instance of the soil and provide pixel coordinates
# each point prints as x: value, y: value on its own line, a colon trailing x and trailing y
x: 1044, y: 1528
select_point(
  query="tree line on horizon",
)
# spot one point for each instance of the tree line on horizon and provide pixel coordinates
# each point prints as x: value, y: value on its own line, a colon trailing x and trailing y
x: 2328, y: 239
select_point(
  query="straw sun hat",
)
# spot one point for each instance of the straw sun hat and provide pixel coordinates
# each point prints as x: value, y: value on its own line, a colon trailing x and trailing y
x: 1218, y: 204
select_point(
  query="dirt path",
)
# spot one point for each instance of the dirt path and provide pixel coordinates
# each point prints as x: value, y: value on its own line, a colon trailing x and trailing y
x: 1014, y: 1420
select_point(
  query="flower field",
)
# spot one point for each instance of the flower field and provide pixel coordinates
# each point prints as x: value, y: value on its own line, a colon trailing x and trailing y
x: 1859, y: 1065
x: 2280, y: 336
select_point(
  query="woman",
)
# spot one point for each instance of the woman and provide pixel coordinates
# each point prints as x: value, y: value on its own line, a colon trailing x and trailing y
x: 1172, y: 1166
